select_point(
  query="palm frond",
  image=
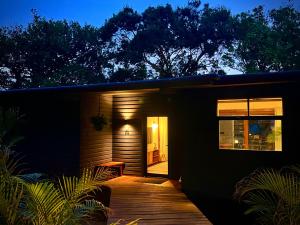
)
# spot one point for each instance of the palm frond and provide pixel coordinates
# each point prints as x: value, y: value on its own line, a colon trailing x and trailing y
x: 78, y: 189
x: 11, y: 194
x: 44, y: 203
x: 10, y: 162
x: 88, y: 207
x: 134, y: 222
x: 78, y: 194
x: 273, y: 195
x: 295, y: 169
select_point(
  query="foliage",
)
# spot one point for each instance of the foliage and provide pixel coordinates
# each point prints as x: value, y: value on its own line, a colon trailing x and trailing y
x: 49, y: 53
x: 67, y: 201
x: 266, y: 41
x: 159, y: 42
x: 29, y: 199
x: 99, y: 122
x: 274, y: 196
x: 26, y: 199
x: 170, y: 42
x: 11, y: 189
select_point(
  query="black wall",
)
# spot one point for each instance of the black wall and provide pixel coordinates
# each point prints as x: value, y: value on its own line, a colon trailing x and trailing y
x: 213, y: 172
x: 51, y: 131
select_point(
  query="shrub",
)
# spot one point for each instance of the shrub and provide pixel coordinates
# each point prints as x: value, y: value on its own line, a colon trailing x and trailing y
x: 272, y: 195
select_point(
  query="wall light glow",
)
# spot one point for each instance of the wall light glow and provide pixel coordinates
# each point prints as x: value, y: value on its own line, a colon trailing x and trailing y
x: 126, y: 129
x: 154, y: 126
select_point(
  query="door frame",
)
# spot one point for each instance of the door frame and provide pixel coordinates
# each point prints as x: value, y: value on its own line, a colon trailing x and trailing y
x: 144, y: 128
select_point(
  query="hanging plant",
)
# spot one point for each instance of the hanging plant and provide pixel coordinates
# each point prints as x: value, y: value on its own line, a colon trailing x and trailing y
x: 98, y: 121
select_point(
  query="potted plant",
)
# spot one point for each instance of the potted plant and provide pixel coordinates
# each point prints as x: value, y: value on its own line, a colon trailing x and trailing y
x: 98, y: 122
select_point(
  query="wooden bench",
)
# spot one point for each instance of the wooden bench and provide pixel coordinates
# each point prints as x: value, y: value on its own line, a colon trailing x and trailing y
x: 120, y: 166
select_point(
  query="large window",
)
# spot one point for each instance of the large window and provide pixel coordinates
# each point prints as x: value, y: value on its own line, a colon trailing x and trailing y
x: 250, y: 124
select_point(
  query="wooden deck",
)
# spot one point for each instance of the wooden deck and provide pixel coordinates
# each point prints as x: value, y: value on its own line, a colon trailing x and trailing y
x: 154, y: 203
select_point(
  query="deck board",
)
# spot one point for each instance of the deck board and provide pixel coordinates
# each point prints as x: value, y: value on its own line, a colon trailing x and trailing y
x: 153, y: 203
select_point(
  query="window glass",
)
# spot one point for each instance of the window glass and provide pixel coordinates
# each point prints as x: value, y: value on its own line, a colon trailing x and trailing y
x: 232, y: 107
x: 261, y: 135
x: 265, y: 107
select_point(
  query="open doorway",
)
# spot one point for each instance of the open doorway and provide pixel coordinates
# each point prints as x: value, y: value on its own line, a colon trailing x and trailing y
x: 157, y: 145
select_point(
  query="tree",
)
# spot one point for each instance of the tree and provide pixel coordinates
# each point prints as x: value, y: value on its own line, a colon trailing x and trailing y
x: 13, y: 53
x: 267, y: 41
x: 64, y: 53
x: 170, y: 43
x: 49, y: 53
x: 286, y: 26
x: 160, y: 42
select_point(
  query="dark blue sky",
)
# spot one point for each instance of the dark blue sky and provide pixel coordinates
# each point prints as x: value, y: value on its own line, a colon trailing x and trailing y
x: 17, y: 12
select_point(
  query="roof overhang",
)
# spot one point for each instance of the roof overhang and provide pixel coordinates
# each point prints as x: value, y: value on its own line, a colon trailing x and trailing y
x: 201, y: 81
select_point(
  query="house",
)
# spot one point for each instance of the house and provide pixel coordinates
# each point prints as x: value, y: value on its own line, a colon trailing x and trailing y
x: 209, y: 131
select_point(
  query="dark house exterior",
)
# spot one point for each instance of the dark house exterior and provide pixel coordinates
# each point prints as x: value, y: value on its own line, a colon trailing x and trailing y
x: 209, y: 131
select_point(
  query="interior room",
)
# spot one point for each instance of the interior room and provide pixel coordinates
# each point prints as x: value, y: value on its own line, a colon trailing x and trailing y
x: 157, y: 145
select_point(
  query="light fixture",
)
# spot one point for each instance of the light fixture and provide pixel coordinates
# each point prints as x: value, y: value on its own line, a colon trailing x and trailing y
x: 126, y: 130
x: 154, y: 125
x: 236, y: 141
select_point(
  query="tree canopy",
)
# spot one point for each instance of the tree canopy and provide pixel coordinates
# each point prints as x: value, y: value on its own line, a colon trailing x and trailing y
x: 160, y: 42
x: 267, y: 41
x: 49, y: 53
x: 170, y: 43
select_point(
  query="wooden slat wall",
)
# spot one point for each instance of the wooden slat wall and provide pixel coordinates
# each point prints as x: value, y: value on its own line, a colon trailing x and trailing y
x: 128, y: 147
x: 95, y: 146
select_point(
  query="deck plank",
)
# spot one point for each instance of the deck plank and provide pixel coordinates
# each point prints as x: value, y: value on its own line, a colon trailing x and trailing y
x: 152, y: 203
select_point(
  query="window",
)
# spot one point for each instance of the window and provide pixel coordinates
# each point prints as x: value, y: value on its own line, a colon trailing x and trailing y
x: 250, y: 124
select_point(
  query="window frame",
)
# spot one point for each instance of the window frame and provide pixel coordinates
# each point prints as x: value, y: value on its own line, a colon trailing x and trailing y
x: 249, y: 118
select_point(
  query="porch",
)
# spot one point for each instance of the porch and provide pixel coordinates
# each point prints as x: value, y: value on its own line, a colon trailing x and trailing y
x: 153, y: 203
x: 137, y: 133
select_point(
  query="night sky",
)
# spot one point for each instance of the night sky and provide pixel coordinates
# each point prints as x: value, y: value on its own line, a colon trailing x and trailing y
x: 17, y: 12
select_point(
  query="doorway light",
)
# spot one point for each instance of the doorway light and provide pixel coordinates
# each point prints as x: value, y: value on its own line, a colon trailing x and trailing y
x: 154, y: 125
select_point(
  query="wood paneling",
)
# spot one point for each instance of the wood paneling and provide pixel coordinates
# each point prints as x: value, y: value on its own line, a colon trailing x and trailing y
x: 123, y: 140
x: 95, y: 146
x: 129, y: 114
x: 127, y: 132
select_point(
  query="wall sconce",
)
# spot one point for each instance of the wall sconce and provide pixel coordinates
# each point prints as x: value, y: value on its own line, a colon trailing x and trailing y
x: 126, y: 130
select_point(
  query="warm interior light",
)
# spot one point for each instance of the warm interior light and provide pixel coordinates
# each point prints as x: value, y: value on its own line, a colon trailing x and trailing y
x: 154, y: 125
x: 236, y: 141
